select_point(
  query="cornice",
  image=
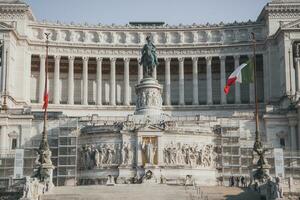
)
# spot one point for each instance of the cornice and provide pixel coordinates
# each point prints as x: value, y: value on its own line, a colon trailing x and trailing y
x: 127, y: 27
x: 15, y: 10
x: 135, y: 52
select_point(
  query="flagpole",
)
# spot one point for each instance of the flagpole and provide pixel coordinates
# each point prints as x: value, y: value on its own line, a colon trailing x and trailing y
x: 4, y: 106
x: 45, y: 92
x: 262, y: 167
x: 257, y: 134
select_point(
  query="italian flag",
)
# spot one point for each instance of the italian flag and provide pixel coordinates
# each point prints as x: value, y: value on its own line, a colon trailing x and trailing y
x: 242, y: 74
x: 46, y: 100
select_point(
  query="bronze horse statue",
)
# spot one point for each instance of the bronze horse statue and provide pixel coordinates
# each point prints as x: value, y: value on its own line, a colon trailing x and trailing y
x: 149, y: 58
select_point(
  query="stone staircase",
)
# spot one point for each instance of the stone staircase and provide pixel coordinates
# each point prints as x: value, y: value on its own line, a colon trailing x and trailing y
x: 221, y: 193
x: 149, y: 192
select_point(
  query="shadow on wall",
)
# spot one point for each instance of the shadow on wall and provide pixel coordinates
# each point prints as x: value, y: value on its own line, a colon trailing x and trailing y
x: 246, y: 194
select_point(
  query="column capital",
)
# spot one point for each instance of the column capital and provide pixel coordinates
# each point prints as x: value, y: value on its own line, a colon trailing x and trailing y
x: 42, y: 56
x: 57, y: 57
x: 181, y: 59
x: 293, y: 121
x: 126, y: 59
x: 99, y: 59
x: 222, y: 58
x: 167, y: 59
x: 292, y: 118
x: 208, y: 58
x: 85, y: 58
x: 71, y: 58
x: 112, y: 59
x: 236, y: 57
x: 195, y: 59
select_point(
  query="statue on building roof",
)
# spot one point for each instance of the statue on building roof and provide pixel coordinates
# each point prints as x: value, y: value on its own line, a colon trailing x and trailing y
x: 149, y: 58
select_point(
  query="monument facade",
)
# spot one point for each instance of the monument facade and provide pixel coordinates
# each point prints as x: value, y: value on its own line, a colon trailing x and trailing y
x: 123, y: 109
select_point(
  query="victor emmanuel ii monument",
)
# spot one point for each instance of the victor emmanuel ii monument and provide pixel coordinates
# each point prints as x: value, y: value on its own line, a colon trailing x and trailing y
x: 144, y: 103
x: 148, y: 146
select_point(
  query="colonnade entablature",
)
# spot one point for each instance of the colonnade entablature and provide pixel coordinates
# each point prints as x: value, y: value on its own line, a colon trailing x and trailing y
x: 136, y: 52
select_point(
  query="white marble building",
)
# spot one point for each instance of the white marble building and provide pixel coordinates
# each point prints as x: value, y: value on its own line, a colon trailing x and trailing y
x: 93, y: 70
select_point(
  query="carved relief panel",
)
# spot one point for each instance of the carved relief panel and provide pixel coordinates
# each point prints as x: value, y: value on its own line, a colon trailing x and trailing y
x: 149, y: 150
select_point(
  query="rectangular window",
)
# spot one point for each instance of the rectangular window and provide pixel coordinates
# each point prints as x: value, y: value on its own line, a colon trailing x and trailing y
x: 282, y: 142
x: 14, y: 143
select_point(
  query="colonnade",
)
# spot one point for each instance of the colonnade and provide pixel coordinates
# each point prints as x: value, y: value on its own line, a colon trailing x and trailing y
x: 126, y: 80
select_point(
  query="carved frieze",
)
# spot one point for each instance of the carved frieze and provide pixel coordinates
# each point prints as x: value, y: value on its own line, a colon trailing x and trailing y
x: 189, y: 155
x: 149, y: 98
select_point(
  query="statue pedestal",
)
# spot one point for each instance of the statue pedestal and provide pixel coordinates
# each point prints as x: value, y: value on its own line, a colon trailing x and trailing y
x: 149, y: 101
x: 126, y: 174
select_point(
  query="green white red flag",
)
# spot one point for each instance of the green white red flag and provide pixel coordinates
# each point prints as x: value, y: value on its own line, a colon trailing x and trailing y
x: 242, y: 74
x: 46, y: 100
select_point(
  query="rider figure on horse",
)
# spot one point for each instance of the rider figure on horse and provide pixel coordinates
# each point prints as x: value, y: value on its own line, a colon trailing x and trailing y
x: 149, y: 58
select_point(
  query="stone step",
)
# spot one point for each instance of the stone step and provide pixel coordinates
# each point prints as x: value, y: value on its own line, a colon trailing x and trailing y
x: 229, y: 193
x: 148, y: 192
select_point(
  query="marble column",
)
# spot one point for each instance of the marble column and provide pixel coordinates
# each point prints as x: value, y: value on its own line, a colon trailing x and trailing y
x: 140, y: 70
x: 237, y: 85
x: 209, y: 100
x: 195, y: 81
x: 298, y: 127
x: 297, y: 62
x: 251, y: 87
x: 85, y: 80
x: 266, y: 77
x: 154, y: 73
x: 167, y: 81
x: 138, y: 151
x: 160, y: 151
x: 42, y: 78
x: 56, y: 88
x: 112, y: 81
x: 293, y: 132
x: 71, y: 80
x: 3, y: 139
x: 126, y: 81
x: 99, y: 81
x: 181, y: 81
x: 223, y: 79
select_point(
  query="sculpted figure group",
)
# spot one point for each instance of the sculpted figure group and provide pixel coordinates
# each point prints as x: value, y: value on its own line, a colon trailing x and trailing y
x: 149, y: 98
x: 92, y: 156
x: 192, y: 155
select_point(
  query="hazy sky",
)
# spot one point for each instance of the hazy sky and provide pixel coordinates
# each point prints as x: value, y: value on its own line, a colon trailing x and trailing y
x: 169, y: 11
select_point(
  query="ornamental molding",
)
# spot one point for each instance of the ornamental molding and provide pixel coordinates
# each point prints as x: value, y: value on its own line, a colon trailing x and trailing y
x: 292, y: 25
x: 135, y: 53
x: 125, y: 37
x: 114, y: 27
x: 11, y: 15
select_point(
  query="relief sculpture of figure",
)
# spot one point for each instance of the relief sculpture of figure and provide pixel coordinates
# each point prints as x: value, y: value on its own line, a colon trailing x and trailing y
x: 125, y: 154
x: 149, y: 58
x: 189, y: 155
x: 149, y: 151
x: 97, y: 156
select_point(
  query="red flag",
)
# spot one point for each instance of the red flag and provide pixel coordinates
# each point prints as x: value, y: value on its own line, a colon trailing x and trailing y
x: 46, y: 99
